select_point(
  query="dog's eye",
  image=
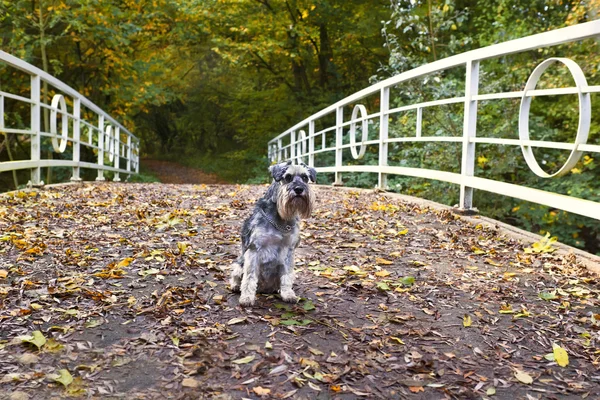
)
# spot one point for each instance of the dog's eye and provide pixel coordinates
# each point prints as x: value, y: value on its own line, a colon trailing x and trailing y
x: 288, y: 178
x: 304, y: 178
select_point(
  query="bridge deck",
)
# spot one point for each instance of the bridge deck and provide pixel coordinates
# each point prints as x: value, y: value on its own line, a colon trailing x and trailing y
x: 130, y: 282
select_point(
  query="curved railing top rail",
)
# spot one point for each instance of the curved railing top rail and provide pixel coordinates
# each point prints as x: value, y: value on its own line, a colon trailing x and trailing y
x: 552, y: 38
x: 294, y: 143
x: 68, y: 90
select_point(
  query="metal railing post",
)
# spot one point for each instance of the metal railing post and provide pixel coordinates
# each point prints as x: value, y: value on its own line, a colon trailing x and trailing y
x: 100, y: 176
x: 279, y: 150
x: 35, y: 130
x: 384, y: 106
x: 129, y: 153
x: 467, y: 167
x: 117, y: 152
x: 293, y: 146
x: 311, y: 143
x: 339, y: 140
x: 76, y: 138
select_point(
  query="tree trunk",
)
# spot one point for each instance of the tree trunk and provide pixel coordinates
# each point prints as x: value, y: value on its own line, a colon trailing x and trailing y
x: 325, y: 57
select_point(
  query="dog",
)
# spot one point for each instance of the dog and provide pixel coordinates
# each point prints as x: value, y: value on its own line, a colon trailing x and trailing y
x: 271, y: 234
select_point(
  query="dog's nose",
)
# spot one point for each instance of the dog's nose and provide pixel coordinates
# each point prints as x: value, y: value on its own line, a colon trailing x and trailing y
x: 298, y: 190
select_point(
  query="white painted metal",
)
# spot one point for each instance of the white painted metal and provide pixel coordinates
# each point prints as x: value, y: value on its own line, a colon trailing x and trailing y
x: 469, y: 131
x: 71, y: 123
x: 57, y: 100
x: 384, y: 102
x: 365, y: 131
x: 471, y: 61
x: 585, y: 115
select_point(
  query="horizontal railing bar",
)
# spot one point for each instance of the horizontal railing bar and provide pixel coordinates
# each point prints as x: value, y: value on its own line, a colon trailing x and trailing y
x: 366, y: 143
x: 361, y: 119
x: 17, y: 131
x: 425, y: 139
x: 415, y: 172
x: 535, y: 143
x: 16, y: 97
x: 26, y: 164
x: 537, y: 92
x: 575, y: 205
x: 331, y: 128
x: 593, y: 148
x: 425, y: 104
x: 321, y: 150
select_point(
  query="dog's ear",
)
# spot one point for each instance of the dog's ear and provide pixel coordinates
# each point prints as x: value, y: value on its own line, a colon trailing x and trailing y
x: 312, y: 173
x: 278, y: 170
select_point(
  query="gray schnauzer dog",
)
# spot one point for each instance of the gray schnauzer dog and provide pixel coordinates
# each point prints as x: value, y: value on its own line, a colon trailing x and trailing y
x: 271, y: 234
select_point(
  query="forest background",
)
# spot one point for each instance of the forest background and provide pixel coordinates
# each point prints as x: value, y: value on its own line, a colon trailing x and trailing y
x: 209, y: 82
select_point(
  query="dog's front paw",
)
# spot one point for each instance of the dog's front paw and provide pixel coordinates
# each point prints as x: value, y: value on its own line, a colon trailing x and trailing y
x: 289, y: 296
x: 234, y: 284
x: 246, y: 300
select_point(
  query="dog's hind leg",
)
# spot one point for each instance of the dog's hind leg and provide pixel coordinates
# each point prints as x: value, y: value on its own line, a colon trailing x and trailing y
x: 287, y: 280
x: 237, y: 273
x: 249, y: 279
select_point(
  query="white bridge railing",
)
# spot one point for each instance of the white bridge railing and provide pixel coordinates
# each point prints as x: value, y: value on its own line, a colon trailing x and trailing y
x: 301, y: 142
x: 72, y: 120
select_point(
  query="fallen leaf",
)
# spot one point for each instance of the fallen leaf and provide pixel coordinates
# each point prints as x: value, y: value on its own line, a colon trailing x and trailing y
x: 467, y: 321
x: 64, y: 377
x: 316, y: 352
x: 397, y: 339
x: 407, y: 280
x: 36, y: 338
x: 383, y: 261
x: 523, y: 377
x: 190, y: 382
x: 3, y: 273
x: 560, y: 355
x: 238, y: 320
x: 261, y: 391
x: 548, y: 295
x: 244, y: 360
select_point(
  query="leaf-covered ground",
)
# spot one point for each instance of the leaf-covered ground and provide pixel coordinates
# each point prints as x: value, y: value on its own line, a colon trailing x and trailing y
x: 120, y: 291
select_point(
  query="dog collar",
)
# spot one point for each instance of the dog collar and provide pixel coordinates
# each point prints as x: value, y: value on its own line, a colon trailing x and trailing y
x: 285, y: 228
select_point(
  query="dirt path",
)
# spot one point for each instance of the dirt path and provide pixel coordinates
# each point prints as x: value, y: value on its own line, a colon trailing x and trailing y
x: 172, y: 172
x: 126, y: 288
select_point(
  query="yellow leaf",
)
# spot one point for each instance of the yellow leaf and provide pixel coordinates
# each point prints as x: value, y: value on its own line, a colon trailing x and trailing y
x: 383, y: 261
x: 244, y: 360
x: 383, y: 273
x: 560, y: 355
x: 3, y: 273
x: 523, y: 377
x: 467, y: 321
x: 261, y: 391
x: 397, y: 339
x: 125, y: 262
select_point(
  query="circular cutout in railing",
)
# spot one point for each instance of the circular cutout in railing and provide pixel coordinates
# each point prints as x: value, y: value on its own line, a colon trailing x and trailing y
x: 301, y: 155
x: 358, y: 154
x: 57, y: 100
x: 583, y: 127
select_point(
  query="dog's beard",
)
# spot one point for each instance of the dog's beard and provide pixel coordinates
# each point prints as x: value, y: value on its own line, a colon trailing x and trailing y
x: 289, y: 204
